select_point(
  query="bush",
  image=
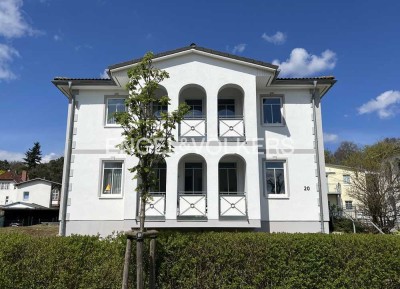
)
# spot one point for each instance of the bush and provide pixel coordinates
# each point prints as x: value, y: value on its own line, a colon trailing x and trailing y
x: 206, y: 260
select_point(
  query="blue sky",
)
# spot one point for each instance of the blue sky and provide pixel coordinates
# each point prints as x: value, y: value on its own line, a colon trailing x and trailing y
x: 356, y: 41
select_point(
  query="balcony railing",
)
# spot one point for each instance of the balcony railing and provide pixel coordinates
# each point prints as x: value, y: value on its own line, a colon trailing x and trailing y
x: 231, y: 127
x: 192, y: 205
x: 232, y: 205
x: 193, y: 127
x: 155, y: 206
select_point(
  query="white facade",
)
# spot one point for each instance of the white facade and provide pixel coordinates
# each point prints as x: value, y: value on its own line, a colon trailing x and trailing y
x: 209, y: 142
x: 38, y: 191
x: 8, y: 192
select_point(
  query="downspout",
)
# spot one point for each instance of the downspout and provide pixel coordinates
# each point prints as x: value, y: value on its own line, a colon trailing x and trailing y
x: 67, y: 161
x: 321, y: 207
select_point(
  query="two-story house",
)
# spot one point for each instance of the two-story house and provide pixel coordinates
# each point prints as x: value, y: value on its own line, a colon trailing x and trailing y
x: 249, y: 154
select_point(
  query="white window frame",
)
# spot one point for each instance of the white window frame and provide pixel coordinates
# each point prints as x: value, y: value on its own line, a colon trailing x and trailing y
x: 55, y: 192
x: 345, y: 178
x: 351, y: 207
x: 107, y: 98
x: 4, y: 185
x: 286, y: 178
x: 111, y: 196
x: 281, y: 99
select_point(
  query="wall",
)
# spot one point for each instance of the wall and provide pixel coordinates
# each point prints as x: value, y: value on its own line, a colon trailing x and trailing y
x: 39, y: 193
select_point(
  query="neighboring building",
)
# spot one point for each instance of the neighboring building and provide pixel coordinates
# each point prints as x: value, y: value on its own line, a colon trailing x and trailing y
x: 28, y: 202
x: 248, y: 156
x: 339, y: 179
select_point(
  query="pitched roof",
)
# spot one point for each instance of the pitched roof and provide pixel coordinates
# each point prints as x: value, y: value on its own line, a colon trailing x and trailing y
x: 38, y: 179
x: 24, y: 206
x: 193, y: 46
x: 10, y: 176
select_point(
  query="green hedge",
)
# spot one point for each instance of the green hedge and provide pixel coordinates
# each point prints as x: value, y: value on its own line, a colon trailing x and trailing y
x: 206, y: 260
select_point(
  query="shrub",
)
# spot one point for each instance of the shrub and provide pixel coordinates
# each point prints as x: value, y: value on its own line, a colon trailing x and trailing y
x: 206, y: 260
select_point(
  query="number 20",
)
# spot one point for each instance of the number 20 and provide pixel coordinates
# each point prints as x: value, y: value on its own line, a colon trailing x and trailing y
x: 306, y: 188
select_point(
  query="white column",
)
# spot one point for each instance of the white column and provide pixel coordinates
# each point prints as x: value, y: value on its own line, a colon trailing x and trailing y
x: 212, y: 188
x: 172, y: 188
x: 212, y: 113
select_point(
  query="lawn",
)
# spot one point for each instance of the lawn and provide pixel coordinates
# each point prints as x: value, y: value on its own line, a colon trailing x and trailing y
x: 36, y: 230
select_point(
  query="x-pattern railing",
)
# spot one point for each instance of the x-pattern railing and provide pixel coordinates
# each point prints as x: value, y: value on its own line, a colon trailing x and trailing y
x: 193, y: 126
x: 196, y: 202
x: 154, y: 203
x: 235, y: 205
x: 231, y: 127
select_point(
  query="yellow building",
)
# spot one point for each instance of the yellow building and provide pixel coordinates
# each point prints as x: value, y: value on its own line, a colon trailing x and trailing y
x: 339, y: 180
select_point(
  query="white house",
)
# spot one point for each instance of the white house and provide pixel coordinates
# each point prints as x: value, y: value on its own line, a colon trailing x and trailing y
x: 248, y: 156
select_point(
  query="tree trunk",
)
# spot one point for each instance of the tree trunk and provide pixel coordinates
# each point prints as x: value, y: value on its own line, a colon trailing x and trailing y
x: 126, y: 263
x: 152, y: 263
x: 139, y: 245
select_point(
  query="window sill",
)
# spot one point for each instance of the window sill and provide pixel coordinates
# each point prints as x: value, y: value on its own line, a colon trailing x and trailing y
x: 119, y: 196
x: 278, y: 196
x: 273, y: 125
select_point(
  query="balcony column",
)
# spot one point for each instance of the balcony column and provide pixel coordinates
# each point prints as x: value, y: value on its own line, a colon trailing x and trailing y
x: 212, y: 188
x: 173, y: 93
x: 251, y: 111
x: 212, y: 114
x: 171, y: 188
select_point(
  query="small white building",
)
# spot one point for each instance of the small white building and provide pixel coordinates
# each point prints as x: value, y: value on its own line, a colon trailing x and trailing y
x: 248, y: 156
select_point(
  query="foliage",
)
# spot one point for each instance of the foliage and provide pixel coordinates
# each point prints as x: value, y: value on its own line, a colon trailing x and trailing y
x: 33, y: 156
x: 17, y: 167
x: 206, y: 260
x: 329, y: 157
x: 345, y: 225
x: 51, y: 171
x: 147, y: 134
x: 345, y: 150
x: 376, y: 182
x: 4, y: 165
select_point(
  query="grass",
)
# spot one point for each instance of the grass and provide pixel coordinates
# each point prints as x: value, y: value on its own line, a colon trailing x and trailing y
x: 36, y: 230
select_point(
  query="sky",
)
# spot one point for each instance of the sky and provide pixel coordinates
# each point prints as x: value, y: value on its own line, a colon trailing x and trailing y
x: 356, y: 41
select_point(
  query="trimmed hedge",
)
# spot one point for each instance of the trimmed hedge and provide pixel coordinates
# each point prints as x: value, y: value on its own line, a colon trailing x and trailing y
x: 206, y: 260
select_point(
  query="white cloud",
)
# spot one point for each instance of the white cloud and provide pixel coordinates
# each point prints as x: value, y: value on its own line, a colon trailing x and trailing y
x: 57, y: 37
x: 386, y: 104
x: 11, y: 156
x: 239, y: 48
x: 301, y: 63
x: 12, y: 22
x: 104, y: 74
x: 7, y: 54
x: 330, y: 137
x: 49, y: 157
x: 277, y: 39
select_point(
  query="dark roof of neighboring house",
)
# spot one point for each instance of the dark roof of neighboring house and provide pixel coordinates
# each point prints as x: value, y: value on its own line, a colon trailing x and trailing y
x: 193, y: 46
x: 10, y: 176
x: 31, y: 206
x: 38, y: 179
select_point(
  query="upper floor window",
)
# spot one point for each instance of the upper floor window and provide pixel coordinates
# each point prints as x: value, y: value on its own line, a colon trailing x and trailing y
x: 275, y: 177
x: 112, y: 178
x: 26, y: 196
x: 348, y: 205
x: 159, y: 108
x: 114, y: 105
x: 226, y: 108
x: 271, y: 110
x: 4, y: 186
x: 55, y: 194
x: 346, y: 179
x: 195, y: 108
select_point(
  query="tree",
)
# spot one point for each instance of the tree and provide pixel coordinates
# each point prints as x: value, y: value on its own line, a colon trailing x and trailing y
x: 345, y: 150
x: 147, y: 132
x: 33, y: 156
x: 329, y: 157
x: 376, y: 182
x: 51, y: 171
x: 4, y: 165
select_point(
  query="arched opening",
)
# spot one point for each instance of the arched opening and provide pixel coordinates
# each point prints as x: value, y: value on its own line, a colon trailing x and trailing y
x: 230, y: 112
x: 232, y: 186
x: 192, y: 186
x: 194, y: 124
x: 158, y: 107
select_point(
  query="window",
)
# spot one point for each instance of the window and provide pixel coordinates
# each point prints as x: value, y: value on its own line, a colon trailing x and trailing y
x: 7, y: 199
x: 161, y: 179
x: 26, y: 196
x: 55, y: 194
x: 271, y: 107
x: 114, y: 105
x: 4, y: 186
x: 346, y: 179
x: 195, y: 108
x: 275, y: 177
x: 193, y: 177
x: 112, y: 178
x: 348, y: 205
x: 228, y: 178
x: 226, y: 108
x: 159, y: 108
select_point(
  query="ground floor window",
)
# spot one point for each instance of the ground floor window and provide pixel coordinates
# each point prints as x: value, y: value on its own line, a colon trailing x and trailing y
x: 348, y: 205
x: 227, y: 178
x: 112, y: 178
x: 160, y: 185
x: 275, y: 177
x: 193, y: 177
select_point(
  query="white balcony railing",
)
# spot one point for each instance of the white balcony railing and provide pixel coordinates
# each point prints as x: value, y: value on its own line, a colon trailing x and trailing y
x: 231, y: 127
x: 192, y: 127
x: 192, y: 204
x: 155, y: 205
x: 232, y: 205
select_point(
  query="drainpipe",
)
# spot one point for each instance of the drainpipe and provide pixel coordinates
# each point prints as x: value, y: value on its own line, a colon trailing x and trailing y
x: 321, y: 207
x: 67, y: 161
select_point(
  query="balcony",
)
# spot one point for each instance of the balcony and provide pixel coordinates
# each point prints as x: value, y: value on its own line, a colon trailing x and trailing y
x: 155, y: 207
x: 192, y: 128
x: 192, y: 206
x: 232, y: 205
x: 231, y: 128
